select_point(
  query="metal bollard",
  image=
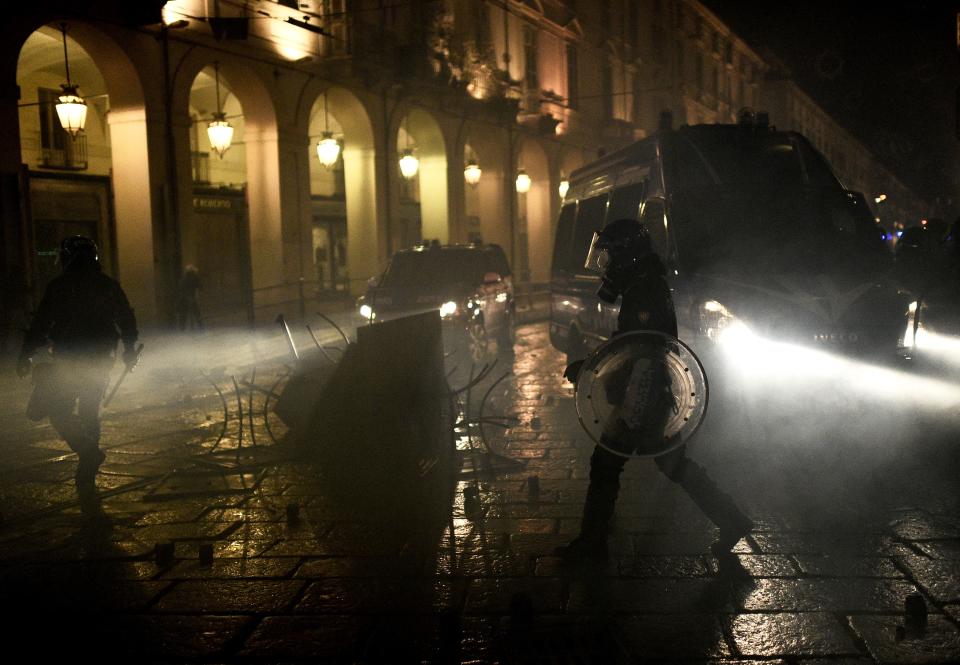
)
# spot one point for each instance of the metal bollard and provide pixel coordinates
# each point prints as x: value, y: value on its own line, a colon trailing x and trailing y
x: 471, y: 500
x: 163, y: 554
x: 293, y: 513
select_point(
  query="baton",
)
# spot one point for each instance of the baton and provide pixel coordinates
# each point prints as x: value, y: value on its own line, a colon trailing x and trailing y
x: 129, y: 369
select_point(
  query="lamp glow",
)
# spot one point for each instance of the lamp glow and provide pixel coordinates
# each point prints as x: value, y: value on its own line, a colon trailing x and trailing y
x: 564, y: 188
x: 220, y: 133
x: 523, y: 182
x: 71, y: 109
x: 472, y: 172
x: 409, y: 164
x: 328, y: 150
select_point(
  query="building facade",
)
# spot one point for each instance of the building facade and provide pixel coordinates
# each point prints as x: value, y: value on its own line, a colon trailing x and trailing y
x: 521, y: 92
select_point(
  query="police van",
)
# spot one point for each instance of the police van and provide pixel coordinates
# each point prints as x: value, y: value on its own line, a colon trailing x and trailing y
x: 759, y: 237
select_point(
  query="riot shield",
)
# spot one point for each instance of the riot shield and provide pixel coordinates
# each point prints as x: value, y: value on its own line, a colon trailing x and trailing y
x: 641, y: 394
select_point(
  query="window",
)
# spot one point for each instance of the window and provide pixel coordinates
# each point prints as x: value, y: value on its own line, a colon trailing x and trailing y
x: 530, y: 73
x: 573, y: 81
x: 561, y: 246
x: 653, y: 219
x: 625, y: 202
x: 590, y: 219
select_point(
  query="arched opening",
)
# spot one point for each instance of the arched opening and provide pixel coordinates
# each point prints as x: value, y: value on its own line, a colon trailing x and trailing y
x: 216, y: 239
x: 344, y: 238
x: 94, y: 182
x: 534, y: 224
x: 423, y: 212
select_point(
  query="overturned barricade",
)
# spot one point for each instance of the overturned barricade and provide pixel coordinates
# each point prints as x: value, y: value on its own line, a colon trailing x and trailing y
x: 378, y: 420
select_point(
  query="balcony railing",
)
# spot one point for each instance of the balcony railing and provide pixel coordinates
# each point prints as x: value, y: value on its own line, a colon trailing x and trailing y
x: 71, y: 157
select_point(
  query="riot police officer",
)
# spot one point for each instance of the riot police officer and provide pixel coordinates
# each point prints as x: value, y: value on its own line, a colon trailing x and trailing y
x: 622, y: 251
x: 80, y: 318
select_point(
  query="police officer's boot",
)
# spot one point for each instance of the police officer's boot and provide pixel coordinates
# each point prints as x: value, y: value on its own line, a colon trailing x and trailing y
x: 591, y: 544
x: 718, y: 506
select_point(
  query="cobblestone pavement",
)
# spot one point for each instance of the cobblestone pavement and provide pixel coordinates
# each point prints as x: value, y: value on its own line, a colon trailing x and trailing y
x: 292, y: 578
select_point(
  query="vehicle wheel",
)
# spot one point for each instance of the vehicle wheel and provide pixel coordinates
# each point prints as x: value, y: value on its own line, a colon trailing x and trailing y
x: 478, y: 342
x: 508, y: 334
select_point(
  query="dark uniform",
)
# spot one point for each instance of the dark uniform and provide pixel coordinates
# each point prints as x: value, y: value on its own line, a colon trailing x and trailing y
x: 81, y: 316
x: 646, y: 304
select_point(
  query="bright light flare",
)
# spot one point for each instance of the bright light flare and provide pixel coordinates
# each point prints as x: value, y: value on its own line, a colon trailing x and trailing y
x: 71, y: 110
x: 409, y: 164
x: 736, y: 335
x: 328, y: 150
x: 945, y: 348
x: 811, y: 379
x: 366, y: 311
x: 448, y: 309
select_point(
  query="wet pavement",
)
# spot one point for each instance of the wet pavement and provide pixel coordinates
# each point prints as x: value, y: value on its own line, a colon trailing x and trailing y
x: 214, y: 545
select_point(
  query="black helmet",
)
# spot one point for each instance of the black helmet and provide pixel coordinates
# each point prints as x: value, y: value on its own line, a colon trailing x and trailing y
x: 77, y: 250
x: 621, y: 239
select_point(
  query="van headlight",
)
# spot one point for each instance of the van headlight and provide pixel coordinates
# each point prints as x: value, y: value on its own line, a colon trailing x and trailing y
x: 366, y: 311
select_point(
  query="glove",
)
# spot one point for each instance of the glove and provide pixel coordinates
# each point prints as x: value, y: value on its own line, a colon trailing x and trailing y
x: 24, y: 365
x: 131, y: 356
x: 572, y: 371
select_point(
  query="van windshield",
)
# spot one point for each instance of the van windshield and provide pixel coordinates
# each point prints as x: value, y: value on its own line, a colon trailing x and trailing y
x: 741, y: 157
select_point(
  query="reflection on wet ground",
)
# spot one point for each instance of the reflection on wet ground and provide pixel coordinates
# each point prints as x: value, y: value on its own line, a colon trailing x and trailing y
x: 205, y: 547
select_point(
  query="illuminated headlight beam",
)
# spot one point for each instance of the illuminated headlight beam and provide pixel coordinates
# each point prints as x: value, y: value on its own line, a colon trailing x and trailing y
x: 780, y: 370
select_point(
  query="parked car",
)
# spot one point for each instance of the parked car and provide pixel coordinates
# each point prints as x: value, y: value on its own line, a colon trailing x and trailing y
x: 471, y: 286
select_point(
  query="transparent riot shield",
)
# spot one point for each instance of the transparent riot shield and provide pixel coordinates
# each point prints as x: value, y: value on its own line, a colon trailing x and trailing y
x: 641, y: 394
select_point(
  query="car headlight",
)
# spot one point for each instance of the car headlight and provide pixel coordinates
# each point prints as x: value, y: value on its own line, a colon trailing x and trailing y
x: 719, y: 324
x: 448, y: 309
x: 366, y: 311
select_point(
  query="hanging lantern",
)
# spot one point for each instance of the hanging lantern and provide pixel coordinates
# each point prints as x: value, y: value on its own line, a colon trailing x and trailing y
x: 523, y: 182
x: 564, y: 188
x: 328, y: 150
x: 71, y: 109
x: 409, y: 164
x: 220, y: 133
x: 472, y: 172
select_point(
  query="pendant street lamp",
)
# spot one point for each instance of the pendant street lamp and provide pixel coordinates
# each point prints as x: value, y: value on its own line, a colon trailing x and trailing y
x: 219, y: 131
x: 328, y: 148
x: 409, y: 164
x: 71, y: 109
x: 523, y: 182
x: 472, y: 172
x: 564, y: 187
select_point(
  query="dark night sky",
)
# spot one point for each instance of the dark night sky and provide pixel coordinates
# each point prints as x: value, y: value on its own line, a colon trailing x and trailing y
x: 887, y: 71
